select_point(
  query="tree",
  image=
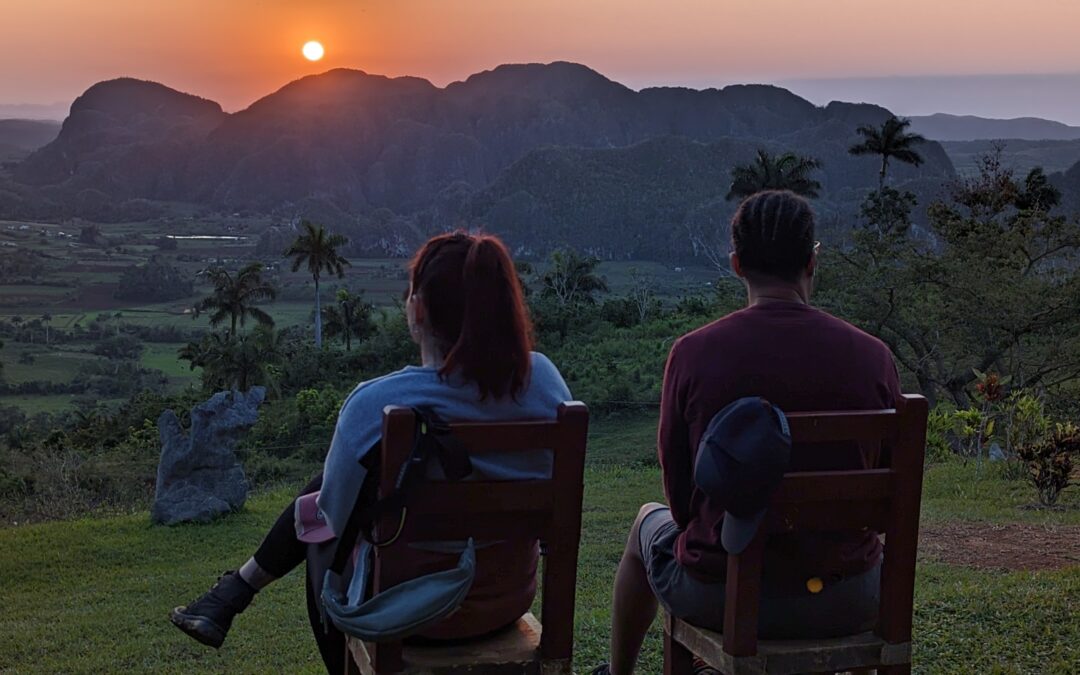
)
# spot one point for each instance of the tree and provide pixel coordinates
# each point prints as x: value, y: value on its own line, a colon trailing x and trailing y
x: 768, y: 172
x: 997, y: 289
x: 238, y: 363
x: 46, y: 319
x: 890, y: 140
x: 156, y: 281
x: 352, y: 317
x: 571, y: 278
x: 317, y: 249
x: 235, y: 297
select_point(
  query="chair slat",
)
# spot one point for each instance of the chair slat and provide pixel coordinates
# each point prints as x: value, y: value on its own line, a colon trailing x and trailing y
x: 827, y: 485
x: 832, y: 427
x: 829, y: 516
x: 483, y: 497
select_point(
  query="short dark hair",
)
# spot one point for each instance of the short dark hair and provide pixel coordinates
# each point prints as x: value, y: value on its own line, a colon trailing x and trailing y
x: 773, y: 234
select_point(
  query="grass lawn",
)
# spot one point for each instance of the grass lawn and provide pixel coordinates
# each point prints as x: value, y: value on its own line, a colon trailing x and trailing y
x: 92, y: 595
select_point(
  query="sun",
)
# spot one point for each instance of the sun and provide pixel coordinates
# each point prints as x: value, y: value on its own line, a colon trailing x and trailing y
x: 313, y: 50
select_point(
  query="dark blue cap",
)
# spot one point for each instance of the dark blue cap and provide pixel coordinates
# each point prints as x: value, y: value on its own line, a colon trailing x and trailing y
x: 742, y: 457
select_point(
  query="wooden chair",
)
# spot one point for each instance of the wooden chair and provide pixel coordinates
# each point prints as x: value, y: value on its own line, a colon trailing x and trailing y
x: 547, y: 510
x: 886, y: 500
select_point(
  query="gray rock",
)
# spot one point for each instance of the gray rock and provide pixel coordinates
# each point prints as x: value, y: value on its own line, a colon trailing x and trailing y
x: 199, y: 477
x: 996, y: 454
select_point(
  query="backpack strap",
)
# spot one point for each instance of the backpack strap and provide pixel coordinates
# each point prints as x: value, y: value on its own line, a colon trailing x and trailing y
x: 432, y: 437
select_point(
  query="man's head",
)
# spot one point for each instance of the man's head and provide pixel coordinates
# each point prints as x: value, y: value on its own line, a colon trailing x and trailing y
x: 772, y: 236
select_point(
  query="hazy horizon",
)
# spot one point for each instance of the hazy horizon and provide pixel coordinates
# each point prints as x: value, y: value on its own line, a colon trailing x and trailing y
x: 921, y: 58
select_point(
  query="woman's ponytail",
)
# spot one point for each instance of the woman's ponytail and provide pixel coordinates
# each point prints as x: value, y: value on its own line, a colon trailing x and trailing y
x: 479, y: 312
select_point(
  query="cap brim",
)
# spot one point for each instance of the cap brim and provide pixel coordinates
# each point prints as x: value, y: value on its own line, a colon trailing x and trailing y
x: 737, y: 532
x: 316, y: 535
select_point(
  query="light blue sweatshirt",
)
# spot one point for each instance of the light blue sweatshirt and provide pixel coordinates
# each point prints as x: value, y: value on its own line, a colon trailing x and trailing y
x: 359, y: 426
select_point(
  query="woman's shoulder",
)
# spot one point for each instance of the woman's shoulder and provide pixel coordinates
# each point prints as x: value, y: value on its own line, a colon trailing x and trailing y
x: 380, y: 389
x: 546, y: 376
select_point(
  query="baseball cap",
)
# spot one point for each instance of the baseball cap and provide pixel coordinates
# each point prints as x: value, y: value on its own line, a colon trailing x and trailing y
x: 741, y: 459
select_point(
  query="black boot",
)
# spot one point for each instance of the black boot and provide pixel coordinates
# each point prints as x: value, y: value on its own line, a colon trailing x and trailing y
x: 208, y: 619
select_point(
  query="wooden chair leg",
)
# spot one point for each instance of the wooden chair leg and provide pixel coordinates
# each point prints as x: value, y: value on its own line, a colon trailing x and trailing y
x: 678, y: 660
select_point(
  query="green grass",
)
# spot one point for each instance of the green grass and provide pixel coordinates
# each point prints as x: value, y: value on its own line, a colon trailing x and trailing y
x: 162, y: 356
x: 92, y: 595
x: 32, y: 405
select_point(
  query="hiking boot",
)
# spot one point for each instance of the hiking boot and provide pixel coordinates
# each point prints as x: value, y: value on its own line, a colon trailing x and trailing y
x: 208, y: 619
x: 702, y: 668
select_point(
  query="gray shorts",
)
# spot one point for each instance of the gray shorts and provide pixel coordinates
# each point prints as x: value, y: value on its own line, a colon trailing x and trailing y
x: 846, y: 607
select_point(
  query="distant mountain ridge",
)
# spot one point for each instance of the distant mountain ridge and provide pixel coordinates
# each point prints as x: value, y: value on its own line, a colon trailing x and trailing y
x: 944, y: 127
x: 389, y: 160
x: 20, y: 137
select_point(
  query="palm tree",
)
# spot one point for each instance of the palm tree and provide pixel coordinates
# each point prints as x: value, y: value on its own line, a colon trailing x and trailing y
x: 235, y: 296
x: 352, y: 317
x: 317, y: 249
x: 235, y: 363
x: 891, y: 139
x: 781, y: 172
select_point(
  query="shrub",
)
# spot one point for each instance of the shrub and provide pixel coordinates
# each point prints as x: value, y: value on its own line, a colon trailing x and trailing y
x: 939, y: 425
x: 1049, y: 461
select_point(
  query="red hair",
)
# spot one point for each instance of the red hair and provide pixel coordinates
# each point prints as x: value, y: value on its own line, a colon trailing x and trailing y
x: 476, y: 309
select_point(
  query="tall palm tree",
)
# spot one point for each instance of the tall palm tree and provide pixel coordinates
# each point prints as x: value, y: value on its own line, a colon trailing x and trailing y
x: 317, y: 249
x: 235, y: 296
x: 351, y: 317
x: 890, y: 140
x: 775, y: 172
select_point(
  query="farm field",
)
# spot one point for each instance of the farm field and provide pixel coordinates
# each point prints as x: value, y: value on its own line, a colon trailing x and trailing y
x: 74, y: 290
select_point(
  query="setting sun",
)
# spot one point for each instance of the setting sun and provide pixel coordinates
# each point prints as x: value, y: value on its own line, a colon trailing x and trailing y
x: 313, y: 51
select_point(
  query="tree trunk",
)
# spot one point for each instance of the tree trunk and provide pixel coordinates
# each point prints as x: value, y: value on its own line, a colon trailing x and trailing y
x: 232, y: 331
x: 881, y: 174
x: 318, y: 316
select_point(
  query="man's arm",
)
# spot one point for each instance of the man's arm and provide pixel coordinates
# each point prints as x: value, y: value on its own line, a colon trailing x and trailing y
x: 673, y: 441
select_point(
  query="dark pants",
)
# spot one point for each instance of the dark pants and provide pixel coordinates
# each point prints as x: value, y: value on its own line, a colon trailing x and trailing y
x: 280, y: 553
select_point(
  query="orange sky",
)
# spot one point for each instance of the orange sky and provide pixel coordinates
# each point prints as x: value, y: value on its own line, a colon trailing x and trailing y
x: 236, y: 50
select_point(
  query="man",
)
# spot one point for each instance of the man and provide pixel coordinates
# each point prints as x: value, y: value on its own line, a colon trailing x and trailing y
x: 798, y: 358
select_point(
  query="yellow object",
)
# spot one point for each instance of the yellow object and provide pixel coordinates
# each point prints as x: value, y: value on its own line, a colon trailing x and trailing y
x: 814, y: 585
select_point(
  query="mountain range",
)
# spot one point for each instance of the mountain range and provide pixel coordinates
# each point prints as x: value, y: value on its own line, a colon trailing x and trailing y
x: 943, y: 127
x: 545, y: 154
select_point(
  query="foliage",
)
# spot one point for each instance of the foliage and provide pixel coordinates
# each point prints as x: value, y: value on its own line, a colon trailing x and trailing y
x: 317, y: 250
x: 1050, y: 461
x: 239, y: 363
x: 352, y: 317
x: 991, y: 287
x: 940, y: 425
x: 235, y: 297
x: 571, y: 278
x: 780, y: 172
x: 119, y: 347
x: 154, y: 281
x: 891, y: 141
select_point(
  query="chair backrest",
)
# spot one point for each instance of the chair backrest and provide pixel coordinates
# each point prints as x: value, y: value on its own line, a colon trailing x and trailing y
x: 886, y: 500
x: 545, y: 510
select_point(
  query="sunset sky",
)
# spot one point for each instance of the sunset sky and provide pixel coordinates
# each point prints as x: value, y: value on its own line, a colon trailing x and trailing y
x: 234, y: 51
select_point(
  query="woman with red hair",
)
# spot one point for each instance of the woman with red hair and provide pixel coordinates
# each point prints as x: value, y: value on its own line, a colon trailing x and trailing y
x: 466, y: 312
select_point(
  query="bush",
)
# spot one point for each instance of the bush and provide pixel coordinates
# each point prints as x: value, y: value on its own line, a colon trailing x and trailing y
x: 1050, y: 463
x: 939, y: 426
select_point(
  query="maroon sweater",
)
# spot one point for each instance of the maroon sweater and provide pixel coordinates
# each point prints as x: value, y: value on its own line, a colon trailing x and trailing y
x: 801, y: 359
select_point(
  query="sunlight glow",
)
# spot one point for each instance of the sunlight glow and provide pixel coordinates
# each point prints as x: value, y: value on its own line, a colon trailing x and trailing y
x: 313, y: 50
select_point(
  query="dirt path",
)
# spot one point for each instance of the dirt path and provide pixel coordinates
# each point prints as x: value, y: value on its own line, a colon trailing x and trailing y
x: 1014, y: 546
